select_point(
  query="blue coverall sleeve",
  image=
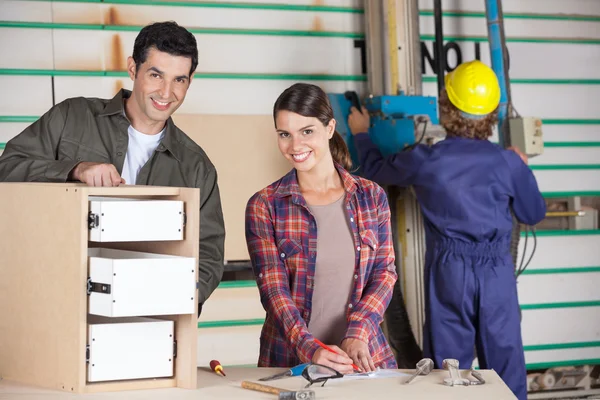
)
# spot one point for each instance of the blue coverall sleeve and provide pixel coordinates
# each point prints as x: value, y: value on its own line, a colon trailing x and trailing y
x: 528, y: 203
x: 399, y: 169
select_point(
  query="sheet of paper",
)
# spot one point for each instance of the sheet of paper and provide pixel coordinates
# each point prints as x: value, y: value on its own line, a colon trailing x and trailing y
x: 379, y: 373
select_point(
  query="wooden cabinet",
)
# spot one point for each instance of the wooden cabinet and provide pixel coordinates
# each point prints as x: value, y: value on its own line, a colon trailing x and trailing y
x: 98, y: 286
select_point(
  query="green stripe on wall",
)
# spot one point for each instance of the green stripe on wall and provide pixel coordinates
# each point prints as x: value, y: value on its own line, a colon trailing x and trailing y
x: 567, y: 363
x: 565, y: 232
x: 564, y: 167
x: 197, y: 75
x: 572, y: 144
x: 196, y: 30
x: 555, y: 195
x: 481, y: 39
x: 561, y: 346
x: 552, y: 271
x: 545, y: 81
x: 563, y: 121
x: 2, y: 146
x: 480, y: 14
x: 215, y: 4
x: 236, y: 284
x: 575, y: 304
x: 17, y: 118
x: 231, y: 323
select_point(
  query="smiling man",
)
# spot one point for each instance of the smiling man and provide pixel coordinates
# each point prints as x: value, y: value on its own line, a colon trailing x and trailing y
x: 130, y: 139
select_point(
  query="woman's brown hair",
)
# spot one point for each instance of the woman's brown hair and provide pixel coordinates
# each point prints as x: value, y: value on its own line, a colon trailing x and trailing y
x: 311, y: 101
x: 458, y: 125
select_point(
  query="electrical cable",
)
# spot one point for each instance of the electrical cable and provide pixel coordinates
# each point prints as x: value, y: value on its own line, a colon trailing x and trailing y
x: 418, y: 142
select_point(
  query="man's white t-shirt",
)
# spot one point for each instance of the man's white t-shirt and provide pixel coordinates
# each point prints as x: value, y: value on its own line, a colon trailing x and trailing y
x: 139, y: 151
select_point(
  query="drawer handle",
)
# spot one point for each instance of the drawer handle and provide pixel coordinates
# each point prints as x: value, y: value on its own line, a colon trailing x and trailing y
x: 97, y: 287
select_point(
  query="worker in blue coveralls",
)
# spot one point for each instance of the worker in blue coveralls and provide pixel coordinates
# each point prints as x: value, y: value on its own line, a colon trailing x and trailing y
x: 466, y: 187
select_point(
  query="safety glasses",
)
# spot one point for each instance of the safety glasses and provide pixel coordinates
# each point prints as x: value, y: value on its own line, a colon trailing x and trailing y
x: 317, y: 373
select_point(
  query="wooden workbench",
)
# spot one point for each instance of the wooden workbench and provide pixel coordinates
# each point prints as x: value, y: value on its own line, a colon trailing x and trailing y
x: 212, y: 386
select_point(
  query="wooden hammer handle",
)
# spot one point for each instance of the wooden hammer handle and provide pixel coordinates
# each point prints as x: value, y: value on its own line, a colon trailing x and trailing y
x: 261, y: 388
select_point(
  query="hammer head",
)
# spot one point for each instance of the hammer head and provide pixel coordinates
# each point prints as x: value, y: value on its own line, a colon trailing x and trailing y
x: 298, y: 395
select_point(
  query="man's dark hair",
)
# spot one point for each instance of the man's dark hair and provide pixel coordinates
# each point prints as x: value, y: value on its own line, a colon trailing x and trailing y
x: 167, y: 37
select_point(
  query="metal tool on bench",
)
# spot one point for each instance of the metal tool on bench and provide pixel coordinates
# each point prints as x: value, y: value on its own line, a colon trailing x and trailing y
x: 451, y: 365
x: 295, y: 371
x: 283, y: 394
x: 424, y: 367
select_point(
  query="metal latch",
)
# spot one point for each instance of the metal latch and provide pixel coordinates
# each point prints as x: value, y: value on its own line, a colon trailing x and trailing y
x: 174, y: 348
x: 87, y: 353
x: 97, y: 287
x: 184, y: 218
x: 93, y: 220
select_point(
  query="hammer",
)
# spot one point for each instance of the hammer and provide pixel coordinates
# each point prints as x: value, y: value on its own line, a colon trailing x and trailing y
x: 283, y: 393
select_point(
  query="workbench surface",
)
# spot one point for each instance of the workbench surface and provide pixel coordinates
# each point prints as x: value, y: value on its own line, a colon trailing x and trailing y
x: 212, y: 386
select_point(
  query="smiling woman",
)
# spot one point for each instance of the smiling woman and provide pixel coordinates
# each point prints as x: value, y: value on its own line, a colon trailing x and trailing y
x: 321, y: 247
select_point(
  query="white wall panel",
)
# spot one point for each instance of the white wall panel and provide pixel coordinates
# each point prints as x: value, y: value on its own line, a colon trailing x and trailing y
x: 208, y: 17
x: 26, y: 48
x: 563, y: 251
x: 568, y: 180
x: 587, y: 7
x: 558, y: 288
x: 561, y: 325
x: 550, y: 356
x: 533, y: 28
x: 29, y: 95
x: 33, y: 11
x: 98, y: 50
x: 568, y: 156
x: 571, y: 133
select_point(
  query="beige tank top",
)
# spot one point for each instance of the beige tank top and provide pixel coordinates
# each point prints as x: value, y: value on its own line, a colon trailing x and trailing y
x: 334, y: 273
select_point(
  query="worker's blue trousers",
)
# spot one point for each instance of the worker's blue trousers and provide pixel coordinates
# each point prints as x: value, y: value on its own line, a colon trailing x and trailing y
x: 471, y: 299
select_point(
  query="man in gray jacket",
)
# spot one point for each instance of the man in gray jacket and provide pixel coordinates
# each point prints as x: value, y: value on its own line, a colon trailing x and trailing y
x: 130, y: 139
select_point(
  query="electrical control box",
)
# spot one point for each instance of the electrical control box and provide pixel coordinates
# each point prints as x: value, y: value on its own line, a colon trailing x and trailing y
x: 526, y: 135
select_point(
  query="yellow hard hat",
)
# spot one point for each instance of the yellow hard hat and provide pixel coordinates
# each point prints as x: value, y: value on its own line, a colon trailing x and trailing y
x: 473, y: 88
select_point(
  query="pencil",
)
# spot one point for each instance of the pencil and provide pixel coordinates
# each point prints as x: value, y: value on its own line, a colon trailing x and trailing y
x: 323, y: 345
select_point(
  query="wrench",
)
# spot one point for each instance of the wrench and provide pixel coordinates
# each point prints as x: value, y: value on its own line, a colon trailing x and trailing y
x: 424, y: 367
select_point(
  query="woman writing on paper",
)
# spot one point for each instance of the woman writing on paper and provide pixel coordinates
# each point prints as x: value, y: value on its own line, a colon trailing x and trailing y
x: 320, y: 243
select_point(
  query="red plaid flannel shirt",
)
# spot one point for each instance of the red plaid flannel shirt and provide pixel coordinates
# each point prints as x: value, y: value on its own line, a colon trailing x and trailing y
x: 282, y: 240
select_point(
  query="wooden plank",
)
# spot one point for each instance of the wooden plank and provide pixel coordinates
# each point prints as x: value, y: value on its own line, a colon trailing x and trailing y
x: 250, y: 162
x: 42, y: 285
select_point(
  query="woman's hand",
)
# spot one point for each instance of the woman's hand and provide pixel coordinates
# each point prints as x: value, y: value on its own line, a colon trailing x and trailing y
x: 359, y: 353
x: 359, y: 121
x: 340, y: 361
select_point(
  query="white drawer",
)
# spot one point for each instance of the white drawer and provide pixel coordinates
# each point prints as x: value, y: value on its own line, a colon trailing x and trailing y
x: 137, y: 348
x: 140, y: 284
x: 114, y: 219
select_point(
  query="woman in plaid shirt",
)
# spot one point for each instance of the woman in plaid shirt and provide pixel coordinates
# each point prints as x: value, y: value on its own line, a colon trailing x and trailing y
x: 321, y: 247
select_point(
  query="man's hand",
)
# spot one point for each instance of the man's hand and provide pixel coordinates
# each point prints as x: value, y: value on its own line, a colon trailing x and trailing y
x: 359, y: 352
x: 522, y: 155
x: 359, y: 121
x: 340, y: 361
x: 96, y: 174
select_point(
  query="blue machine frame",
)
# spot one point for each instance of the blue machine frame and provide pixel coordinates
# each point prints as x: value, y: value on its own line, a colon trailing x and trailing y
x: 393, y: 120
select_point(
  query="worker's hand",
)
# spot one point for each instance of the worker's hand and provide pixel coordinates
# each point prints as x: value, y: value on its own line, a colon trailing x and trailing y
x: 359, y: 353
x: 359, y: 121
x: 521, y: 154
x: 340, y: 361
x: 96, y: 174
